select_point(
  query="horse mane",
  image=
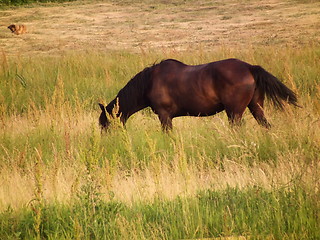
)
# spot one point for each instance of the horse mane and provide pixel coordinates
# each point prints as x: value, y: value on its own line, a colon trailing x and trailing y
x: 132, y: 95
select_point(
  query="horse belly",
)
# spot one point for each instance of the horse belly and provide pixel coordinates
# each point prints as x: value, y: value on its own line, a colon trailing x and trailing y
x: 199, y: 100
x: 201, y: 108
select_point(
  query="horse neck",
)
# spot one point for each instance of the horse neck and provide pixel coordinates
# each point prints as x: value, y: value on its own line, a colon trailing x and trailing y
x: 132, y: 98
x: 122, y: 106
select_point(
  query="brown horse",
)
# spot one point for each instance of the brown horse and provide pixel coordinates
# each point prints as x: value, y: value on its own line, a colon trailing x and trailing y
x: 172, y: 89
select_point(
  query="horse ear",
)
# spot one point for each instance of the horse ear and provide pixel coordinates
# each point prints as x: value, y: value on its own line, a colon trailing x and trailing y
x: 103, y: 109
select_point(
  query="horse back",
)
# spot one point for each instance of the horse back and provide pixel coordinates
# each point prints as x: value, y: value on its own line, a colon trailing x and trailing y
x: 196, y: 89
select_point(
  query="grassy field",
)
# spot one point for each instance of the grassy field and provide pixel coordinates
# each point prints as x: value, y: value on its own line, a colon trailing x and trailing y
x: 60, y: 178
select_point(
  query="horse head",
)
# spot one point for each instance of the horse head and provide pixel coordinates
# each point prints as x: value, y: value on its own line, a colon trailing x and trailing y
x: 103, y: 119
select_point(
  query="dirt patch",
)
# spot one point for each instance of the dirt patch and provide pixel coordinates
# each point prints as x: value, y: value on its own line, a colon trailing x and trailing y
x: 181, y: 25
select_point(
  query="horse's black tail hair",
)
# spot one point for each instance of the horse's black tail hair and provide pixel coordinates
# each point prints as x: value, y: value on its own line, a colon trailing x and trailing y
x: 270, y: 86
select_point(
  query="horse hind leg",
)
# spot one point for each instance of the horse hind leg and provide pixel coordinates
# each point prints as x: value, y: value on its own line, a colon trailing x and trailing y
x: 236, y: 105
x: 166, y: 121
x: 234, y: 117
x: 256, y: 109
x: 234, y: 113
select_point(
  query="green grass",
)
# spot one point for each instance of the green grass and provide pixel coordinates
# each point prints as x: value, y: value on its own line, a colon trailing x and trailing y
x: 203, y: 180
x: 253, y: 213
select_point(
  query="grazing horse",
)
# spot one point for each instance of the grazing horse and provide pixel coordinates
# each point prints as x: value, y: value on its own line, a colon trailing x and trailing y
x: 172, y: 89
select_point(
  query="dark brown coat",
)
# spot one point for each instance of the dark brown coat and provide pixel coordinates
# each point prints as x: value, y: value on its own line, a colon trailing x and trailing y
x: 172, y: 89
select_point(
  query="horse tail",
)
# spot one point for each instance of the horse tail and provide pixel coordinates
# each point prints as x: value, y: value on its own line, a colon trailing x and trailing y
x: 270, y: 86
